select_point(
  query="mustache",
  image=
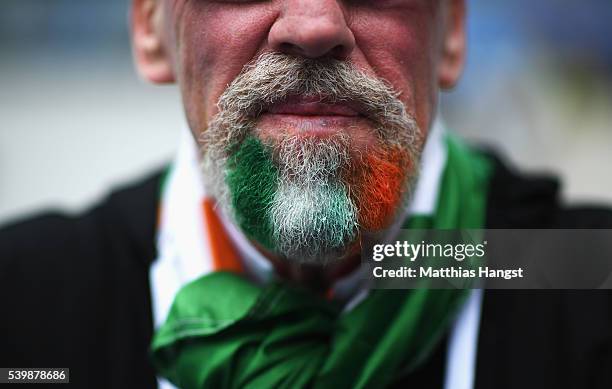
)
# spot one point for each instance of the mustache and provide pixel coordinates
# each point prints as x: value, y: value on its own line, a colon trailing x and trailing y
x: 276, y: 77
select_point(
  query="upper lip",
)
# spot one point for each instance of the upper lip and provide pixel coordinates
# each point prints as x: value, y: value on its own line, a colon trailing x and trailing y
x: 314, y: 106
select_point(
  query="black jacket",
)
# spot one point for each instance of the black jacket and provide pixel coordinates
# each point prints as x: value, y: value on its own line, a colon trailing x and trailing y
x: 75, y: 293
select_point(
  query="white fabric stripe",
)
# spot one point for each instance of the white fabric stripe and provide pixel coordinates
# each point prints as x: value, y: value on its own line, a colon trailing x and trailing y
x: 183, y: 252
x: 463, y: 345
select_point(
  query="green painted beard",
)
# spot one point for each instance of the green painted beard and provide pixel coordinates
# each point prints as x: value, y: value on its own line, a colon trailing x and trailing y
x: 310, y: 219
x: 252, y: 182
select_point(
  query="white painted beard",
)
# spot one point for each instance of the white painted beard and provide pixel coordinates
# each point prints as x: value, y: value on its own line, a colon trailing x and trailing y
x: 313, y: 215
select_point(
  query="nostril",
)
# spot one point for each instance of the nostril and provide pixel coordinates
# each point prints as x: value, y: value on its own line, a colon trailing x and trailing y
x: 289, y: 48
x: 339, y: 51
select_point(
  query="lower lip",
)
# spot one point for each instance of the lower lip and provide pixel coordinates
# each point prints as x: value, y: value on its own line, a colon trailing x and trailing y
x: 317, y: 125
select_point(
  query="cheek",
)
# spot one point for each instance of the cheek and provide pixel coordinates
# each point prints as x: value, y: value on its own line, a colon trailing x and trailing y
x: 215, y: 41
x: 398, y: 46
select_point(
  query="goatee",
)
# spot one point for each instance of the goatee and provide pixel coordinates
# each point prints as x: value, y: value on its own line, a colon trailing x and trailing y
x: 308, y: 198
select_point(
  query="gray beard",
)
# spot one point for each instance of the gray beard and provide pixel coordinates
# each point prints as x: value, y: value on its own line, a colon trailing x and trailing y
x: 312, y: 214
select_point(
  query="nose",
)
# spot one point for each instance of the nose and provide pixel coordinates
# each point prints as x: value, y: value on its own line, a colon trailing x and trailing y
x: 313, y: 29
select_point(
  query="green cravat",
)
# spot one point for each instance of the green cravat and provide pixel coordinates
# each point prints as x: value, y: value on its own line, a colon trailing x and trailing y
x: 225, y: 332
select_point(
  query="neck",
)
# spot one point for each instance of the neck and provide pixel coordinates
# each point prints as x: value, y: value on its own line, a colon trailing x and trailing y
x: 316, y: 277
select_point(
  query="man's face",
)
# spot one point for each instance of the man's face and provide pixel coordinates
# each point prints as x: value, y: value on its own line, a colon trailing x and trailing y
x: 342, y: 142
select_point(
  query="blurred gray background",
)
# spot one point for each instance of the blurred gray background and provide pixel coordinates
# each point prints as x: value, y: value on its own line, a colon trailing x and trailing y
x: 76, y: 119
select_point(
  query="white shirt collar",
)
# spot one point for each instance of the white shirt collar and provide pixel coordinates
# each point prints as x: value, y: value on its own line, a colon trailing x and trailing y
x: 433, y: 161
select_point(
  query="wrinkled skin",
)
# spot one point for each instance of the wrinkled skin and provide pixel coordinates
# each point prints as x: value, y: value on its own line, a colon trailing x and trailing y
x: 416, y: 45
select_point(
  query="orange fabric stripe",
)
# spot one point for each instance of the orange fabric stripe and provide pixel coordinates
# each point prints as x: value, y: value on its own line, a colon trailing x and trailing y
x: 224, y: 255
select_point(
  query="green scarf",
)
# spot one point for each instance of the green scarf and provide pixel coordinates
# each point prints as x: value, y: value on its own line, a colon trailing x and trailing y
x: 225, y: 332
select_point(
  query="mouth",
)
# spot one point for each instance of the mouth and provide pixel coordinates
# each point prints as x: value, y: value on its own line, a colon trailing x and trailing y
x: 303, y: 115
x: 313, y: 106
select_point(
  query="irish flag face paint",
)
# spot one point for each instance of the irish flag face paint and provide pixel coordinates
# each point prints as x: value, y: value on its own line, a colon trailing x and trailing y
x: 302, y: 194
x: 300, y: 202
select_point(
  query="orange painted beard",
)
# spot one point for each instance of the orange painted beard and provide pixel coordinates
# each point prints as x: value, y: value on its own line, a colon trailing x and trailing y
x: 378, y: 185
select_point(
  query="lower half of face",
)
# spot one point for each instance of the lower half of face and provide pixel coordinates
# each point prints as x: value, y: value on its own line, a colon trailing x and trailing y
x: 308, y: 155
